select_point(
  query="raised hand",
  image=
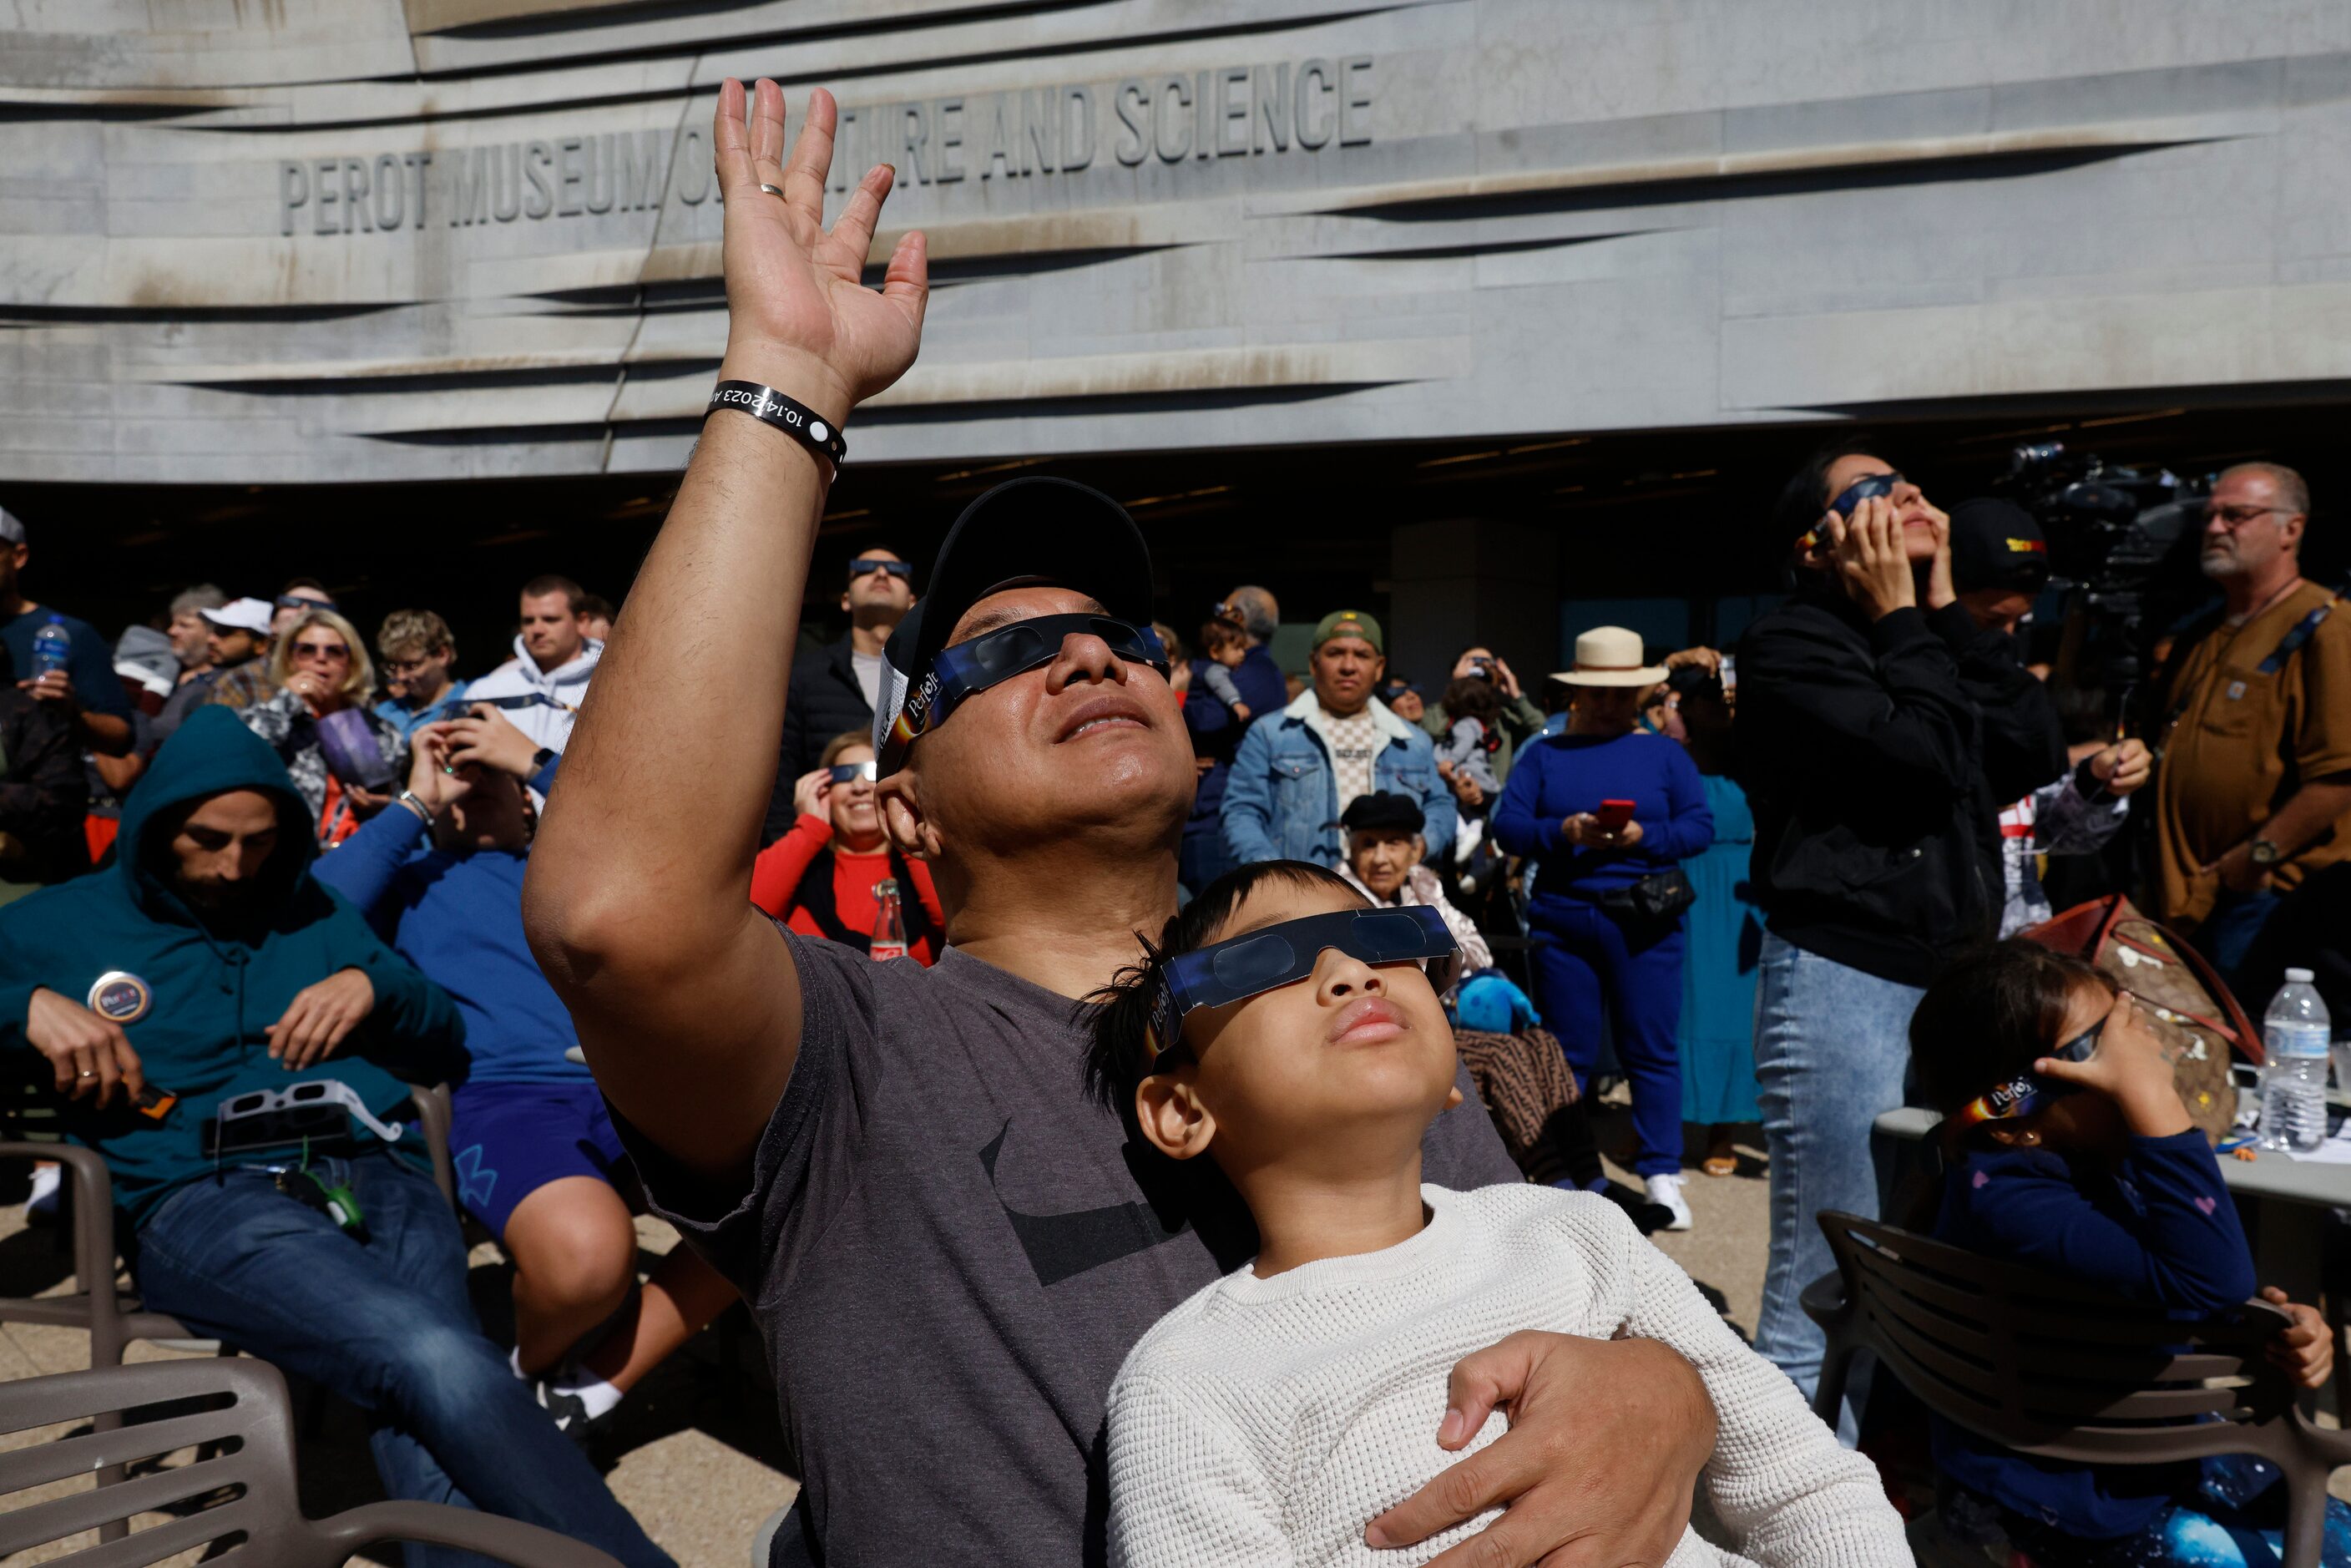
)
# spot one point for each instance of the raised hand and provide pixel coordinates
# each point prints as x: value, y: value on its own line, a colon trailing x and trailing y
x: 799, y: 317
x: 812, y: 795
x: 1869, y: 557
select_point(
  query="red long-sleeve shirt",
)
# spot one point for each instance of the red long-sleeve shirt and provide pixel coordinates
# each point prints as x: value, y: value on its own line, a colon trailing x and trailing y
x: 776, y: 881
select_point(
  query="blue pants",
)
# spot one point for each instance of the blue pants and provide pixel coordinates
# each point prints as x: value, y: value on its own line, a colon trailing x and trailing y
x: 2234, y: 1518
x: 386, y: 1324
x: 1832, y: 1047
x: 1586, y: 974
x: 2229, y: 933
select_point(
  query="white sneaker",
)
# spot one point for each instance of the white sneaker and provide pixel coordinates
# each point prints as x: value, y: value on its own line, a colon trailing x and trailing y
x: 1666, y: 1192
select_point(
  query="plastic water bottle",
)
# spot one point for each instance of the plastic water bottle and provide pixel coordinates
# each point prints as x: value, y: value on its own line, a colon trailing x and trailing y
x: 889, y: 939
x: 2294, y: 1081
x: 52, y: 647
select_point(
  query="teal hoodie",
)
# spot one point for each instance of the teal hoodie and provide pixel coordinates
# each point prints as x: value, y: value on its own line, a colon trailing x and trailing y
x: 213, y: 996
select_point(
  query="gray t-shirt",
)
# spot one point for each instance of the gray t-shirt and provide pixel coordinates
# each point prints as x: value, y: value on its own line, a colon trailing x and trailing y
x: 949, y: 1255
x: 867, y: 668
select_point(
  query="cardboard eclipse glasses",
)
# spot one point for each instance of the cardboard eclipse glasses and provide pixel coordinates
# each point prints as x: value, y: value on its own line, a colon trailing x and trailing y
x: 2026, y: 1092
x: 965, y: 669
x: 1282, y: 955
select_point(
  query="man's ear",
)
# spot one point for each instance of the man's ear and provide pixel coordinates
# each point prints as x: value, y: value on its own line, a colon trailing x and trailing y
x: 1171, y: 1117
x: 844, y: 602
x: 1453, y: 1097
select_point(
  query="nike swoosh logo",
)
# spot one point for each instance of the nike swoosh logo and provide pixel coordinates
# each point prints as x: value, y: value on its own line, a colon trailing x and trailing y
x: 1062, y: 1246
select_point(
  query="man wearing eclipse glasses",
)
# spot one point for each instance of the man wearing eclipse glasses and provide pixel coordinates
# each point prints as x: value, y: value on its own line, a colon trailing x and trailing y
x: 949, y: 1249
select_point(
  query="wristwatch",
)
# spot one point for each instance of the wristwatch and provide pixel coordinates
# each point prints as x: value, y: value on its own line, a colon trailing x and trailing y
x: 543, y: 757
x: 2261, y: 851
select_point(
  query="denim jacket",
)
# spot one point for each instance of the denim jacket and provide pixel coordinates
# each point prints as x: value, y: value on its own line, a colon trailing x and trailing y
x: 1281, y: 801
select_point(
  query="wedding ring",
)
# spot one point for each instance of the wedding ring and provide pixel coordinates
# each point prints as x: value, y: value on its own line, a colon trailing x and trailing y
x: 89, y: 1072
x: 771, y: 189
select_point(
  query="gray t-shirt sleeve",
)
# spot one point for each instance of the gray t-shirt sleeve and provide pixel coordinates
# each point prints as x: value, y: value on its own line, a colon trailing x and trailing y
x: 805, y: 1160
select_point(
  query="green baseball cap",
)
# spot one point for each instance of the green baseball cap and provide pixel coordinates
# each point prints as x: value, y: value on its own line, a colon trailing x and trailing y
x: 1350, y: 624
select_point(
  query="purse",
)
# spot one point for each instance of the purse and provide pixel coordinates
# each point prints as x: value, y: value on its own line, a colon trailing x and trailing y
x: 2181, y: 997
x: 1655, y: 899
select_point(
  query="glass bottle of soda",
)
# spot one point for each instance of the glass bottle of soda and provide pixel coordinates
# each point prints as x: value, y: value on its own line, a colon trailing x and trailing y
x: 889, y: 921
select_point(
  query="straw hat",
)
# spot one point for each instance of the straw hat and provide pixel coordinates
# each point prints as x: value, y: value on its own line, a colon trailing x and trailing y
x: 1610, y: 656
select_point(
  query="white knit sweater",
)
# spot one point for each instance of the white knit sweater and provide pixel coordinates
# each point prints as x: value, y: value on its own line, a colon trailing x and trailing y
x: 1268, y: 1421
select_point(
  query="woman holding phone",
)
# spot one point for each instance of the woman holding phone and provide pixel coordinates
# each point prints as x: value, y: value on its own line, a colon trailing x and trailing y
x: 346, y: 768
x: 1607, y: 811
x: 821, y: 877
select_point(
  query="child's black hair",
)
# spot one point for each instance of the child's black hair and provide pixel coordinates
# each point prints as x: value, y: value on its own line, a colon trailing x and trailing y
x: 1991, y: 1015
x: 1472, y: 696
x: 1120, y: 1057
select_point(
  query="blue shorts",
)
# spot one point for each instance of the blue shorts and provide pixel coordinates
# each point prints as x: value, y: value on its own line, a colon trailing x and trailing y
x: 508, y: 1140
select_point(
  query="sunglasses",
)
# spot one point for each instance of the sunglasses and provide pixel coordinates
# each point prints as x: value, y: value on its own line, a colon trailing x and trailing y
x: 1851, y: 496
x: 321, y: 650
x: 842, y: 773
x: 2023, y: 1094
x: 1283, y: 955
x: 969, y: 668
x: 296, y: 602
x: 903, y: 570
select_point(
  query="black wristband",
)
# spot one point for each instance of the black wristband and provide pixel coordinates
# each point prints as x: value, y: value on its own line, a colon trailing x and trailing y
x: 769, y: 406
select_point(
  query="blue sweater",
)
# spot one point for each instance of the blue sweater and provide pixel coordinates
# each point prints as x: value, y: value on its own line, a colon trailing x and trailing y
x: 2159, y: 1228
x: 1557, y: 776
x: 458, y: 917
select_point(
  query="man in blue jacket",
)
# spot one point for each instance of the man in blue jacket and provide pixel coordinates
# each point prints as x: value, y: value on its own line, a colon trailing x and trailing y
x: 1298, y: 769
x: 440, y: 876
x: 237, y: 1043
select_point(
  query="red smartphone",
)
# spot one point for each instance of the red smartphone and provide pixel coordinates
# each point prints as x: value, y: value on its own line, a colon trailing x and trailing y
x: 1612, y: 815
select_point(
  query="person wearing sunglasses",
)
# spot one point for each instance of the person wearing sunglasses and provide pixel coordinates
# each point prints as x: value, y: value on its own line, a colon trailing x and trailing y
x: 2251, y: 717
x: 2066, y: 1147
x: 821, y: 877
x: 947, y: 1249
x: 1879, y: 733
x: 1289, y: 1035
x: 836, y: 690
x: 319, y: 668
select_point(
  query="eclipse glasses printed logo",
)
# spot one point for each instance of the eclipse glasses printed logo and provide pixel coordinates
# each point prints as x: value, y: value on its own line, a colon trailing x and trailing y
x: 120, y: 997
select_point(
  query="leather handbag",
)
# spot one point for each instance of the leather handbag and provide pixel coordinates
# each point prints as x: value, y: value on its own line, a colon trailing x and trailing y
x: 2185, y: 1002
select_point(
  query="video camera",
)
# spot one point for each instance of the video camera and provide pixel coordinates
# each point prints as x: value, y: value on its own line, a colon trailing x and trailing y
x: 2123, y: 546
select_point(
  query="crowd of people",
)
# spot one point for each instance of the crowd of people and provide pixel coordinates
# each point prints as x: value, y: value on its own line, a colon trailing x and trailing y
x: 263, y: 885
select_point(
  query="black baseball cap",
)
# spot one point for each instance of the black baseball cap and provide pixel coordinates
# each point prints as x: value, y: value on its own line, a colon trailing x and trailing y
x: 1996, y: 544
x: 1034, y: 529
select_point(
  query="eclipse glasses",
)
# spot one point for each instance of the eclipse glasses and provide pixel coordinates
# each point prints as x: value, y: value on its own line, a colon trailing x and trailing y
x: 1282, y: 955
x: 842, y: 773
x: 2023, y: 1094
x: 966, y: 669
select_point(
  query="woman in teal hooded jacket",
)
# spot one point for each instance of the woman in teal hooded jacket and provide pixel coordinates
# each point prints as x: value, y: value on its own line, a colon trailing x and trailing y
x: 247, y: 1246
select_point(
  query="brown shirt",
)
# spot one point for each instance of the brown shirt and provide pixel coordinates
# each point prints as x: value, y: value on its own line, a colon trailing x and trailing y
x: 2244, y: 742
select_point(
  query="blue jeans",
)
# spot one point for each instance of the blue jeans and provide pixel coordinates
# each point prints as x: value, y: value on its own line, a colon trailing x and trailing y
x: 2227, y: 933
x: 386, y: 1324
x: 1832, y: 1047
x: 1588, y: 975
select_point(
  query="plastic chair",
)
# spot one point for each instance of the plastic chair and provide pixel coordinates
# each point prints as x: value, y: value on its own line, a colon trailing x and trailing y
x: 112, y: 1318
x: 2064, y: 1371
x: 245, y: 1453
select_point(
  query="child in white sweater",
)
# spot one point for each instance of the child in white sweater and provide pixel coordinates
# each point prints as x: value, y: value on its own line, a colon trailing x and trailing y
x: 1293, y: 1034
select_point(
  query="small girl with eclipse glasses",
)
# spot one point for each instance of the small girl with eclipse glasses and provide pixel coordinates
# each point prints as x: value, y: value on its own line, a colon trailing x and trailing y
x: 2067, y: 1148
x: 1291, y: 1034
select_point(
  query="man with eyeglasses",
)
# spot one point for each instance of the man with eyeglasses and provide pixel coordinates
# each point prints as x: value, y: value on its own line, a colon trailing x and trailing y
x: 948, y: 1250
x: 237, y: 1043
x: 2252, y: 794
x: 418, y: 652
x: 836, y: 692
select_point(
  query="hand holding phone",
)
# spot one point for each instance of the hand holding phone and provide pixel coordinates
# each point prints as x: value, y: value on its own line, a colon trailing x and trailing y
x: 1612, y: 815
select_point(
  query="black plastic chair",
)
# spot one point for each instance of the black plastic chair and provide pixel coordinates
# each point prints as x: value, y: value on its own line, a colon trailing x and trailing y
x: 2050, y: 1367
x: 241, y: 1482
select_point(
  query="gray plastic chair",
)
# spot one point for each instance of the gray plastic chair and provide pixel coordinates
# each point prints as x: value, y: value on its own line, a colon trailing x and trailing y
x: 255, y: 1481
x: 2064, y: 1371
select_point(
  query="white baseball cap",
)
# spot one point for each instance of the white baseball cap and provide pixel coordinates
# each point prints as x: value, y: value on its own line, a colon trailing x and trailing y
x: 242, y: 615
